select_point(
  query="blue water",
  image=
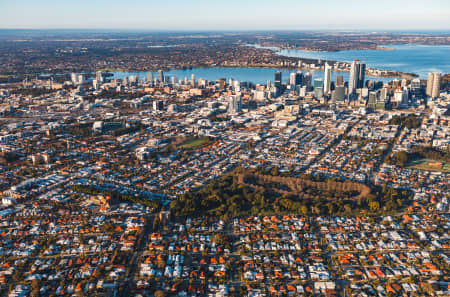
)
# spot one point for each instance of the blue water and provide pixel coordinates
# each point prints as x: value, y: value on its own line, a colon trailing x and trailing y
x: 254, y: 75
x: 412, y: 58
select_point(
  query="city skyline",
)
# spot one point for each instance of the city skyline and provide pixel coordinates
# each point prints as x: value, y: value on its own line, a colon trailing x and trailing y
x: 250, y: 15
x: 197, y: 149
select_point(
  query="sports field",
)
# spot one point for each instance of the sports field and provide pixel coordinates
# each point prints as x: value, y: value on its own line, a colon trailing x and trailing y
x: 430, y: 165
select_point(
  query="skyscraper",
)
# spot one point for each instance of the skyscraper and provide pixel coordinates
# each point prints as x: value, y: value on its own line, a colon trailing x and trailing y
x: 74, y: 78
x: 80, y: 79
x: 354, y: 74
x: 292, y: 79
x: 327, y: 79
x: 150, y: 77
x: 158, y: 105
x: 339, y: 80
x: 237, y: 85
x: 384, y: 94
x: 234, y: 104
x: 357, y: 76
x: 99, y: 76
x: 429, y: 83
x: 362, y: 75
x: 307, y: 80
x: 339, y: 94
x: 318, y: 88
x: 278, y: 78
x: 318, y: 92
x: 416, y: 88
x: 299, y: 79
x: 318, y: 83
x: 372, y: 102
x: 95, y: 84
x: 160, y: 75
x: 434, y: 84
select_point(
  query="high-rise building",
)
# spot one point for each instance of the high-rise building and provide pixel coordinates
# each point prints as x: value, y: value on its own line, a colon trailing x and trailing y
x: 74, y: 78
x: 160, y: 75
x: 150, y: 77
x: 237, y: 85
x: 296, y: 80
x: 95, y: 84
x: 99, y: 76
x: 303, y: 91
x: 193, y: 82
x: 377, y: 85
x: 372, y: 102
x: 202, y: 82
x: 354, y: 74
x: 364, y: 92
x: 339, y: 80
x: 415, y: 83
x: 307, y: 80
x: 80, y: 79
x: 395, y: 84
x: 434, y: 84
x: 133, y: 79
x: 299, y: 79
x: 327, y: 79
x: 318, y: 83
x: 158, y: 105
x: 384, y: 94
x: 400, y: 98
x: 278, y: 78
x: 318, y: 92
x: 416, y: 88
x: 435, y: 91
x: 357, y: 76
x: 234, y: 104
x: 221, y: 82
x: 430, y: 83
x: 362, y: 75
x: 404, y: 83
x: 292, y: 80
x: 339, y: 94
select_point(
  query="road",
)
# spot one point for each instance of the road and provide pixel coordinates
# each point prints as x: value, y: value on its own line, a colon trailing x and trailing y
x: 133, y: 266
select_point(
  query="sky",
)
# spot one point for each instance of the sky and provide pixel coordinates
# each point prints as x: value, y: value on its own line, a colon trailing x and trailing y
x: 226, y: 15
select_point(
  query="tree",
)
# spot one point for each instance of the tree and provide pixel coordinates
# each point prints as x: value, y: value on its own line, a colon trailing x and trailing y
x: 17, y: 276
x: 402, y: 158
x: 159, y: 293
x: 304, y: 210
x: 35, y: 288
x: 156, y: 223
x: 374, y: 206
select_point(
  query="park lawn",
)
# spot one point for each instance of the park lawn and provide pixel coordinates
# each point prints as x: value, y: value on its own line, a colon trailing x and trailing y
x: 194, y: 143
x: 423, y: 164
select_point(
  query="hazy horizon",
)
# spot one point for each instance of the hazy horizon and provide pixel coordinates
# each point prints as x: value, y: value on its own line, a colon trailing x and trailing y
x: 203, y: 15
x: 138, y: 30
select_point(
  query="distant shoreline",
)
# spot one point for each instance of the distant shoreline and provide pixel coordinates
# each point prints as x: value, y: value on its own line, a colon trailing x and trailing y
x: 384, y: 48
x: 391, y: 74
x: 319, y: 50
x: 388, y: 73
